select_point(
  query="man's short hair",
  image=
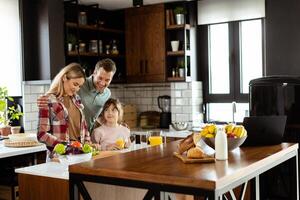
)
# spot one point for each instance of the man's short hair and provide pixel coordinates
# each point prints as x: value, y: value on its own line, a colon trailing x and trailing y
x: 107, y: 64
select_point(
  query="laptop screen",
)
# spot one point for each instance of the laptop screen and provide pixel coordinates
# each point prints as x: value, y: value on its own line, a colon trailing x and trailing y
x: 264, y: 130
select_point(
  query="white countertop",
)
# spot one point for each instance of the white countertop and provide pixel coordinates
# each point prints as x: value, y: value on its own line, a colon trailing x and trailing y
x: 15, y: 151
x: 60, y: 171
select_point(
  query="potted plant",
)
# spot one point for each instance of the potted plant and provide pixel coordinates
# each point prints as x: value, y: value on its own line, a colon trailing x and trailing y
x: 71, y: 40
x: 7, y: 113
x: 181, y: 67
x: 179, y: 13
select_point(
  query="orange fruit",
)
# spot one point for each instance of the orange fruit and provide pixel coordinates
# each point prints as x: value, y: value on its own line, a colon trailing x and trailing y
x: 76, y: 144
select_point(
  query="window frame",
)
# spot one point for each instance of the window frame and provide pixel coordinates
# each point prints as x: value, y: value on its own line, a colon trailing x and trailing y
x: 234, y: 65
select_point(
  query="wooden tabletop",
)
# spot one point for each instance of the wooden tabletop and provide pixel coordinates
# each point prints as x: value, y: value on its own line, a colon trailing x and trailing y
x: 159, y: 165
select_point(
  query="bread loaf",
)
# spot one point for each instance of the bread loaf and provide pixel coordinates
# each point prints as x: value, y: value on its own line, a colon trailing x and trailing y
x: 195, y: 152
x: 196, y: 138
x: 186, y: 144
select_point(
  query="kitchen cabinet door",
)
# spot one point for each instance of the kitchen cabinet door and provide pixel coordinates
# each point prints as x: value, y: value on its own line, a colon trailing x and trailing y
x: 155, y: 45
x: 145, y: 44
x: 133, y: 45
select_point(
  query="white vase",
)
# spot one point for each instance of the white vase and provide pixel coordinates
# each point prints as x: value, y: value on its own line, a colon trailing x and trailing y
x: 175, y: 45
x: 181, y: 72
x: 179, y: 19
x: 70, y: 47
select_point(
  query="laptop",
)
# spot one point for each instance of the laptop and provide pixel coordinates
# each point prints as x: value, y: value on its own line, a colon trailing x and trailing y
x: 264, y: 130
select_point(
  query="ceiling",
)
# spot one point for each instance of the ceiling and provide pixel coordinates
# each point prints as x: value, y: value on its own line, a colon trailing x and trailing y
x: 119, y: 4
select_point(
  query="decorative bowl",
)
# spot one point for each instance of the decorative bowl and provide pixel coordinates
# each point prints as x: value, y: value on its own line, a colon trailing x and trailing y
x: 73, y: 159
x: 231, y: 142
x: 180, y: 126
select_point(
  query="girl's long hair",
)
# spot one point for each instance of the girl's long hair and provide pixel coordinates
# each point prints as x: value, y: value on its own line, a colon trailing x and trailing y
x: 71, y: 71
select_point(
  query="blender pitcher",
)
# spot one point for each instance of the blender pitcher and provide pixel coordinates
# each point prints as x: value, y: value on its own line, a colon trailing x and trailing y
x: 164, y: 103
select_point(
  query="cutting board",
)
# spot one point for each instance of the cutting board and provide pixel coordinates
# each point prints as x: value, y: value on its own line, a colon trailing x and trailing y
x: 185, y: 159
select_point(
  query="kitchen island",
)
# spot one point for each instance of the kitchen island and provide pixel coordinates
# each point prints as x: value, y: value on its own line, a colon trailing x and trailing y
x: 50, y: 181
x: 156, y: 169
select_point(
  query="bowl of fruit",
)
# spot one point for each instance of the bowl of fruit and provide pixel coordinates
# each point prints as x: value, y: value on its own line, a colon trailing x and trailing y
x: 74, y: 152
x: 236, y: 135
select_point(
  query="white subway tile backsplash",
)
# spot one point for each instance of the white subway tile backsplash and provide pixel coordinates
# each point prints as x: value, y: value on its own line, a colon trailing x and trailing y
x: 178, y: 93
x: 181, y: 86
x: 27, y: 126
x: 31, y: 116
x: 186, y: 109
x: 27, y: 107
x: 196, y: 101
x: 176, y: 109
x: 146, y: 101
x: 34, y: 125
x: 196, y: 85
x: 34, y: 107
x: 187, y: 93
x: 181, y: 101
x: 30, y: 98
x: 26, y: 89
x: 186, y: 99
x: 37, y: 89
x: 182, y: 117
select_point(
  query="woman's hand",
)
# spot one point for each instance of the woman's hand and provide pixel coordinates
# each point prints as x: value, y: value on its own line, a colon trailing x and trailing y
x: 42, y: 101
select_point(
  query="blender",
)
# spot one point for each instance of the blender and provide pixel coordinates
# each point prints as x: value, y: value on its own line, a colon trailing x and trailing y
x: 164, y: 103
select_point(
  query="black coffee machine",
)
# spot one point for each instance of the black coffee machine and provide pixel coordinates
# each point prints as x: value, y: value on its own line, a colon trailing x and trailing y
x: 164, y: 103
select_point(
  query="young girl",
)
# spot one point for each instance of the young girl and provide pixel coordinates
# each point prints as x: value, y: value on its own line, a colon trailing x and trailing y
x: 111, y: 135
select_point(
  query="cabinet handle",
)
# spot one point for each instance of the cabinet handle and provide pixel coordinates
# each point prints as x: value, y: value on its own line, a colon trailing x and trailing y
x: 146, y: 66
x: 141, y: 66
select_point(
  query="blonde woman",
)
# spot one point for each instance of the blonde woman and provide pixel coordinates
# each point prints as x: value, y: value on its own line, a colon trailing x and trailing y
x: 63, y: 119
x: 110, y: 132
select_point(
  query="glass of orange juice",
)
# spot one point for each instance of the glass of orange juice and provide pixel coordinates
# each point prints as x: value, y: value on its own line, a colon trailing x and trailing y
x: 120, y: 142
x: 155, y: 138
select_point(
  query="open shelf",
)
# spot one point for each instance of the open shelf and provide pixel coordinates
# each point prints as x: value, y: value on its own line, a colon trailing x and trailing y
x: 172, y: 79
x: 175, y: 53
x: 175, y: 26
x: 74, y: 53
x: 93, y: 28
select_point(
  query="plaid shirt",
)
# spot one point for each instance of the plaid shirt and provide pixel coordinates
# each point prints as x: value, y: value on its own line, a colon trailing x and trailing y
x: 53, y: 122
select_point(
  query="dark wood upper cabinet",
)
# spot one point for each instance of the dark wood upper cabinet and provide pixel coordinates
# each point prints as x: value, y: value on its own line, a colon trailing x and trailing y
x: 145, y: 44
x: 94, y: 39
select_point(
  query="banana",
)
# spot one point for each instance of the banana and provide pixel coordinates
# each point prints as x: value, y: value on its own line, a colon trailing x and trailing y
x: 212, y: 129
x: 229, y: 128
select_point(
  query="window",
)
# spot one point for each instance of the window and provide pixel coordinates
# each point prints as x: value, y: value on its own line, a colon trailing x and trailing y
x: 10, y: 48
x: 233, y: 55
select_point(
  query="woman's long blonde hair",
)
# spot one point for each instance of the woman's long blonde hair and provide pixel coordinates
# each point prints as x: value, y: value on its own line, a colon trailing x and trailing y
x: 71, y: 71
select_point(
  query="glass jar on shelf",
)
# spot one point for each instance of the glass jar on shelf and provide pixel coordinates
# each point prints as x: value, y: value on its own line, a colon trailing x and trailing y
x: 93, y: 46
x: 100, y: 46
x: 107, y: 49
x: 114, y: 49
x: 82, y: 18
x: 81, y: 47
